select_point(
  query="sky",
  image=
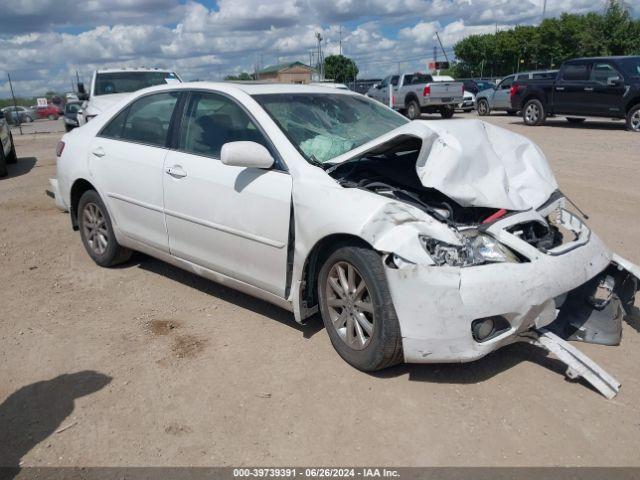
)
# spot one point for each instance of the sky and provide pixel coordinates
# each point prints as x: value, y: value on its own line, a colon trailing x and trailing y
x: 44, y: 42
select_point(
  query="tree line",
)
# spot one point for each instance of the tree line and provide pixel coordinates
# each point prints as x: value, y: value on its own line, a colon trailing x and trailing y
x: 547, y: 45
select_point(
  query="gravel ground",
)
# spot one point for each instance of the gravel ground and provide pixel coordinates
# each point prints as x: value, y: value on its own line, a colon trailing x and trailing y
x: 148, y: 365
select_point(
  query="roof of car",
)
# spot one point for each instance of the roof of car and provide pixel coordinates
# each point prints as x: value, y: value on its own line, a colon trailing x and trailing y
x: 600, y: 59
x: 132, y: 69
x: 255, y: 88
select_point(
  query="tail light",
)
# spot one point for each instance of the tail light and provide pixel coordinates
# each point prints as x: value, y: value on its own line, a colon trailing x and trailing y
x: 59, y: 149
x: 514, y: 89
x: 427, y: 91
x: 393, y: 100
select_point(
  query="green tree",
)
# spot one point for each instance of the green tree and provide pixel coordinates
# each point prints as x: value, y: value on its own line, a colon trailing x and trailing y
x: 340, y: 68
x: 243, y: 76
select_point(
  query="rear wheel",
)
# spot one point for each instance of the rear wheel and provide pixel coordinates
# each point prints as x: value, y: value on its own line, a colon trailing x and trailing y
x: 413, y: 110
x: 533, y: 113
x: 511, y: 112
x: 357, y: 309
x: 96, y: 232
x: 3, y: 163
x: 575, y: 119
x: 12, y: 157
x: 483, y: 108
x: 633, y: 119
x: 447, y: 111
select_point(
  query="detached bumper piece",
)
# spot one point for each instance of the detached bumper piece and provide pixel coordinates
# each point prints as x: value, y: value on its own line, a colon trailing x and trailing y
x: 578, y: 364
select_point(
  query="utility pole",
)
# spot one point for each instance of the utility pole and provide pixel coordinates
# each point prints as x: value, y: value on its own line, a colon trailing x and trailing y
x: 340, y: 39
x: 320, y: 65
x: 544, y: 8
x: 15, y: 105
x: 443, y: 51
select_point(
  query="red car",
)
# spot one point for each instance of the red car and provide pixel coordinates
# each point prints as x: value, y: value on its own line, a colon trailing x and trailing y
x: 50, y: 111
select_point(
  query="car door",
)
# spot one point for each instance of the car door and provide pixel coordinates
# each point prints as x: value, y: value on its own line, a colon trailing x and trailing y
x: 127, y: 159
x: 571, y: 89
x: 501, y: 99
x: 607, y: 90
x: 229, y: 219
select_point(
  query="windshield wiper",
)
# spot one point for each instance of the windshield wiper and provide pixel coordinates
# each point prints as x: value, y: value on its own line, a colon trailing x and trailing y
x: 317, y: 163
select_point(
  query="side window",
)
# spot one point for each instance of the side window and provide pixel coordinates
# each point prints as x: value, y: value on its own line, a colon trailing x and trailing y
x: 385, y: 82
x: 211, y: 120
x: 114, y: 128
x: 601, y: 72
x: 506, y: 83
x: 575, y: 72
x: 394, y: 80
x: 146, y: 120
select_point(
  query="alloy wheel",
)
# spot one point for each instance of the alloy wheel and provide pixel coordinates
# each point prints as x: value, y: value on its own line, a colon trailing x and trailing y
x: 349, y: 305
x: 94, y: 226
x: 532, y: 113
x: 635, y: 121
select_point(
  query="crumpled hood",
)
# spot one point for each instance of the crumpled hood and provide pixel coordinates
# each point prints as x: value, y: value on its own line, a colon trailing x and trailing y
x: 474, y: 163
x: 100, y: 103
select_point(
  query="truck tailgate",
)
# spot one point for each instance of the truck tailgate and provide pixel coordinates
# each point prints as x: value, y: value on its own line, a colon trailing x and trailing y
x: 446, y: 91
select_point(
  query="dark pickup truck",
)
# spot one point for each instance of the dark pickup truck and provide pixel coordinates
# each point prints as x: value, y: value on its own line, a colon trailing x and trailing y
x: 584, y: 87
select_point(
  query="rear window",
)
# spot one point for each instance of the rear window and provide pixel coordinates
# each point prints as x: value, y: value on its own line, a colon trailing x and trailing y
x: 417, y: 78
x: 576, y: 71
x: 630, y: 66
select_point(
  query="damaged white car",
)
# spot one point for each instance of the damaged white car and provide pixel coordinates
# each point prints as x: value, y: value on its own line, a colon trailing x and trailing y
x: 418, y: 241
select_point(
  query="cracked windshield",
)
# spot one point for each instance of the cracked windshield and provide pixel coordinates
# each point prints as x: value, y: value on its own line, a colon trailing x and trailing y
x: 323, y: 126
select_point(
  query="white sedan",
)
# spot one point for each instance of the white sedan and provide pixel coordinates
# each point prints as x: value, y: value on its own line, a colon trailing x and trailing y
x: 417, y: 241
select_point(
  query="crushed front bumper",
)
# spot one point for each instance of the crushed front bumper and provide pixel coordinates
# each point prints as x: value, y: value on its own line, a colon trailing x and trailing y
x: 437, y: 305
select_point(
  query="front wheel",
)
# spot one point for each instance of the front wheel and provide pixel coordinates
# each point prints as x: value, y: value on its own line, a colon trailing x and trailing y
x: 533, y: 113
x: 413, y: 110
x: 447, y: 111
x: 357, y: 309
x: 633, y: 119
x: 96, y: 231
x: 483, y: 108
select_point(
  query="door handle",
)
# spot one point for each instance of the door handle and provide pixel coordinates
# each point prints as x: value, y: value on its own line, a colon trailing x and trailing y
x: 176, y: 171
x: 98, y: 152
x: 559, y: 89
x: 588, y: 89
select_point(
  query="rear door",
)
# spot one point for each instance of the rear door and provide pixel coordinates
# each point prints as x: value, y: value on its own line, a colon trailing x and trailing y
x: 607, y: 90
x: 127, y: 159
x: 571, y: 89
x: 229, y: 219
x: 501, y: 98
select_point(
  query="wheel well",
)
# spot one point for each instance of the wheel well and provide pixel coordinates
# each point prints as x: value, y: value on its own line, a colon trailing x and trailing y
x: 409, y: 97
x: 77, y: 190
x: 531, y: 97
x: 319, y: 253
x: 632, y: 104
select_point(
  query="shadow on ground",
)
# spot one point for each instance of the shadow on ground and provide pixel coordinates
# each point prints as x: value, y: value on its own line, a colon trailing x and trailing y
x: 310, y: 328
x: 586, y: 125
x: 22, y: 167
x: 31, y: 414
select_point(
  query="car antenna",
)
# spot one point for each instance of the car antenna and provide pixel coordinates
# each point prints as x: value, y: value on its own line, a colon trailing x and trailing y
x: 586, y: 217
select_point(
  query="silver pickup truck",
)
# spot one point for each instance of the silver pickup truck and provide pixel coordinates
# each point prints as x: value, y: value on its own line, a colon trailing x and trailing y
x: 416, y: 93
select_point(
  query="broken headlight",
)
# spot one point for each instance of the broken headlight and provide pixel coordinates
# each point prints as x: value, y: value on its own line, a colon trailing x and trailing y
x: 476, y: 250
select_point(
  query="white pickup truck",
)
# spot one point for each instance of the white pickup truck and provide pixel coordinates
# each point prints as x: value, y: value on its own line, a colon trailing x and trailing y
x: 417, y: 93
x: 109, y: 86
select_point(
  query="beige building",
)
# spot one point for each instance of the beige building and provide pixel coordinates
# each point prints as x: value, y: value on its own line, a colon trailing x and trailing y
x: 296, y: 72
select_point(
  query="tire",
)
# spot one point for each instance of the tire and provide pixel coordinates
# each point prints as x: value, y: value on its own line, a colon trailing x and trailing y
x: 413, y: 110
x: 447, y: 112
x: 12, y: 157
x: 52, y: 117
x: 380, y: 345
x: 483, y: 107
x: 3, y: 163
x: 67, y: 128
x: 575, y: 120
x: 96, y: 229
x: 633, y: 119
x: 511, y: 112
x: 28, y: 119
x: 533, y: 113
x: 468, y: 110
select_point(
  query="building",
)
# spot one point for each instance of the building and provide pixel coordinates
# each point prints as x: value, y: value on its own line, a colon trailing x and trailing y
x: 295, y: 72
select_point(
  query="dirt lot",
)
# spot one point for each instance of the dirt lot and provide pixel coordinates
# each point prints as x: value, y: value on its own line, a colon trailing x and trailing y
x: 148, y: 365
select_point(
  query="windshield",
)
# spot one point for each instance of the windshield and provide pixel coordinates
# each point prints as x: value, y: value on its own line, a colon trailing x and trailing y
x: 125, y: 82
x: 323, y: 126
x: 630, y: 66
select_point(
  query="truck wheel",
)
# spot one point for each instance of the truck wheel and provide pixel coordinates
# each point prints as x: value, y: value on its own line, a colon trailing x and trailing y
x: 12, y: 157
x: 483, y: 107
x: 511, y: 112
x: 575, y: 119
x: 357, y: 309
x: 3, y: 163
x: 413, y: 110
x: 633, y: 119
x: 533, y: 113
x: 447, y: 111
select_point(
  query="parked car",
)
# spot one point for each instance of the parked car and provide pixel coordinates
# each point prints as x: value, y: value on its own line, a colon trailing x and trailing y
x: 417, y: 93
x: 413, y: 239
x: 498, y: 97
x: 597, y: 87
x: 109, y: 86
x: 71, y: 115
x: 7, y: 147
x: 19, y: 114
x: 475, y: 86
x: 468, y: 102
x: 51, y: 111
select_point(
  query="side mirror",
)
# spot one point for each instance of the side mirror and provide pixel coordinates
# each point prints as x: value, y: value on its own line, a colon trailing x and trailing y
x: 613, y: 81
x: 246, y: 154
